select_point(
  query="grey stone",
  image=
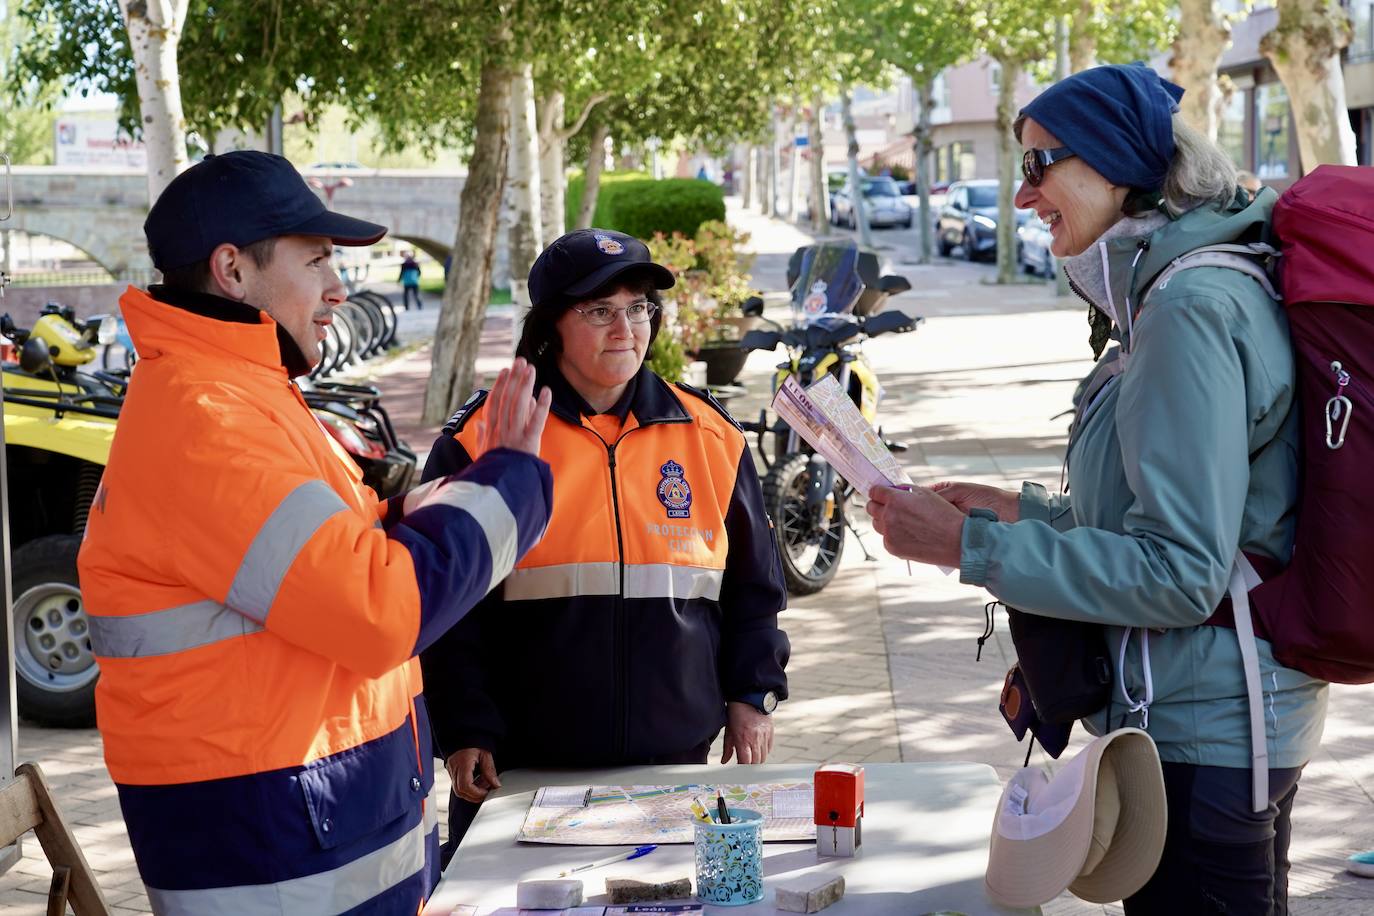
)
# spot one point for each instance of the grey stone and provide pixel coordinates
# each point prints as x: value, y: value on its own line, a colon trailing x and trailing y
x: 628, y: 890
x: 809, y: 893
x: 548, y: 894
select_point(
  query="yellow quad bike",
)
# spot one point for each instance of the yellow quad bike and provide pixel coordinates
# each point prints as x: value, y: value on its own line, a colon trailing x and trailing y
x: 837, y: 303
x: 59, y: 423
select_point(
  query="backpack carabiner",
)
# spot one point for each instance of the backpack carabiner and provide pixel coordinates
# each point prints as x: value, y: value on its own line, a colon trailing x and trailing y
x: 1338, y: 410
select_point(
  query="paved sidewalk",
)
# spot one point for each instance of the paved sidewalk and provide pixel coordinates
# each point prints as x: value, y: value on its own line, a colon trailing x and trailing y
x: 883, y: 661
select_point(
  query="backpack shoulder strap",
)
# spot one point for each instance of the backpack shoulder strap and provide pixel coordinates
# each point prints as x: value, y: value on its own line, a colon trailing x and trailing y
x: 1251, y: 259
x: 1243, y: 579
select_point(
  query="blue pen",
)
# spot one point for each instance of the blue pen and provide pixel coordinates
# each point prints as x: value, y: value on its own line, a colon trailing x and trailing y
x: 609, y: 860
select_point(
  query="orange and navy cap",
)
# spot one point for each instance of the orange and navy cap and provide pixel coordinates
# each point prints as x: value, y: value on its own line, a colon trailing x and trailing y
x: 587, y: 259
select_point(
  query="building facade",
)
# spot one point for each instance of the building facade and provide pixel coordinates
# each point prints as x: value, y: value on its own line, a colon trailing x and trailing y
x: 1256, y: 126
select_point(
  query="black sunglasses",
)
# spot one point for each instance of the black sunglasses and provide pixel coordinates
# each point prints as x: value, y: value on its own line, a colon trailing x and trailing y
x: 1036, y: 161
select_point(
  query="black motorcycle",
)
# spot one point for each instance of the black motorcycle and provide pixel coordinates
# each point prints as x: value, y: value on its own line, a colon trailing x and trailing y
x: 837, y: 301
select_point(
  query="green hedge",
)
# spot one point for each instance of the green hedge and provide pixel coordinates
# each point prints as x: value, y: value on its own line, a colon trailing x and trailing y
x: 640, y: 206
x: 577, y: 182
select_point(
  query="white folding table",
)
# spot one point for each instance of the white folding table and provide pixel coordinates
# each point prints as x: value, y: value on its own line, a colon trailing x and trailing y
x: 925, y: 842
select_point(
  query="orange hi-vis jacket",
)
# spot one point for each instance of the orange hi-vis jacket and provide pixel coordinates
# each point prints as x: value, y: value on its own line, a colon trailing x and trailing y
x: 256, y: 614
x: 652, y: 600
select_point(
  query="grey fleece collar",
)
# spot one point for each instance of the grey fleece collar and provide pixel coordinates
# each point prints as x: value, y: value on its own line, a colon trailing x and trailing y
x: 1089, y: 270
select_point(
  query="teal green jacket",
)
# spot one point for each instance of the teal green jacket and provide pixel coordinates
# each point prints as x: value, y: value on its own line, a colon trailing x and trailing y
x: 1185, y: 449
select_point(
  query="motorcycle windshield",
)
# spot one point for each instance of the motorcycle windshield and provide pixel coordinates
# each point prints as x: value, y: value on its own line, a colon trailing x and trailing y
x: 828, y: 281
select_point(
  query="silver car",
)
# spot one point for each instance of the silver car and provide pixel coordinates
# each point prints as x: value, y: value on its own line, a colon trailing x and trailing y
x: 1033, y: 241
x: 882, y: 203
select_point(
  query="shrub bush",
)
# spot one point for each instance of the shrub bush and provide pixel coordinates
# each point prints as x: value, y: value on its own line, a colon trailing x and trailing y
x: 577, y: 182
x: 640, y: 206
x: 712, y: 282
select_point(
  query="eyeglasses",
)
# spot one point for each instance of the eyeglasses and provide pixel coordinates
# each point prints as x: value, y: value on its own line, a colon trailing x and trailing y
x: 1036, y: 161
x: 602, y: 315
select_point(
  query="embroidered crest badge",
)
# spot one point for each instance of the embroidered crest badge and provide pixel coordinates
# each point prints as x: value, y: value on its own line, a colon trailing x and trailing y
x: 674, y: 491
x: 609, y: 245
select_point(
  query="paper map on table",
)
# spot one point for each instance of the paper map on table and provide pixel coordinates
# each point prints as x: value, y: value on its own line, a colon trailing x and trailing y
x: 827, y: 419
x: 632, y: 815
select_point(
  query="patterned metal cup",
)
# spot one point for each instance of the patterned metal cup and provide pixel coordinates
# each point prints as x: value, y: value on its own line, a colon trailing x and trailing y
x: 730, y: 859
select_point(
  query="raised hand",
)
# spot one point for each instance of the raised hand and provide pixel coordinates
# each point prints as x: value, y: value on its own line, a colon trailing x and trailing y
x: 512, y: 418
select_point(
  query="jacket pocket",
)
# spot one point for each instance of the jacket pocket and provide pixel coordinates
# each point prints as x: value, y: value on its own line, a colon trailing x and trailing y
x: 359, y: 791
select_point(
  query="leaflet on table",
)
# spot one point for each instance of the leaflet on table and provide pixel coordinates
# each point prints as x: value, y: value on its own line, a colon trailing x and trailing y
x: 631, y: 815
x: 827, y: 419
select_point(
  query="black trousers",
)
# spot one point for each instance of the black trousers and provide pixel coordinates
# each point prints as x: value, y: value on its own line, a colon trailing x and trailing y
x: 407, y: 293
x: 1219, y: 855
x: 461, y: 812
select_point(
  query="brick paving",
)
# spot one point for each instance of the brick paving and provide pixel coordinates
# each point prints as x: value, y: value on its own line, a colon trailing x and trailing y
x: 883, y: 660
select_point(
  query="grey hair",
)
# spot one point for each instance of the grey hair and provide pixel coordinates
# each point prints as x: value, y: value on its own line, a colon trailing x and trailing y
x: 1200, y: 173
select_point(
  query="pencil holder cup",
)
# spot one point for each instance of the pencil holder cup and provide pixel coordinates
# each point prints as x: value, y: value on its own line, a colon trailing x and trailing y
x: 730, y: 859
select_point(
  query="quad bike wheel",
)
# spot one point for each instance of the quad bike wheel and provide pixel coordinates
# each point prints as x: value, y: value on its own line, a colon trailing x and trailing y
x: 55, y: 669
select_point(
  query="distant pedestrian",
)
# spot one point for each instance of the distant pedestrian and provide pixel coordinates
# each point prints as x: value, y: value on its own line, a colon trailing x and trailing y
x: 1249, y: 182
x: 410, y: 280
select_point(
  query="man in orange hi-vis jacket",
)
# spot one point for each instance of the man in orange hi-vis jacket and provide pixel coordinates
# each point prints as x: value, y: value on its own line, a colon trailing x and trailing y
x: 255, y: 610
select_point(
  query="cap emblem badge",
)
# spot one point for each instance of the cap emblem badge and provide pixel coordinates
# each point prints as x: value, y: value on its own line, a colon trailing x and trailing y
x: 609, y: 245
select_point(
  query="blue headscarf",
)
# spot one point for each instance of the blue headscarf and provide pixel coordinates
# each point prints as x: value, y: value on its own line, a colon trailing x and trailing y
x: 1118, y: 119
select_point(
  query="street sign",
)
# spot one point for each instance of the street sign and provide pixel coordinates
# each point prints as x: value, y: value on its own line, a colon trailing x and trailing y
x: 96, y: 141
x: 801, y: 141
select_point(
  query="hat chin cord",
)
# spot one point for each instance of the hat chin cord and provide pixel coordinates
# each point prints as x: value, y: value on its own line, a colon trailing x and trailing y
x: 1133, y: 705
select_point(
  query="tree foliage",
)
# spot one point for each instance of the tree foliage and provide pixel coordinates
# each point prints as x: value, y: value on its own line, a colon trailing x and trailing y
x: 26, y: 119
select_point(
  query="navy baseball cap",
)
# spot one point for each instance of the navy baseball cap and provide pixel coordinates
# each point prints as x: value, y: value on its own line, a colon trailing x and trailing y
x: 587, y: 259
x: 240, y: 198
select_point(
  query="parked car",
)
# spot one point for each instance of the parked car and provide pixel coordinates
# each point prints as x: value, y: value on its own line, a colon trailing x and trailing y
x: 834, y: 180
x: 882, y: 203
x: 1033, y: 253
x: 968, y: 219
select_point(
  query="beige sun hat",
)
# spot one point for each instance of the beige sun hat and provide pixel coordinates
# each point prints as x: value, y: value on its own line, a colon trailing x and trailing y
x: 1096, y: 828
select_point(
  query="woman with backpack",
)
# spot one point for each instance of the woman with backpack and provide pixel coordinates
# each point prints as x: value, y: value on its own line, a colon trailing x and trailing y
x: 1184, y: 454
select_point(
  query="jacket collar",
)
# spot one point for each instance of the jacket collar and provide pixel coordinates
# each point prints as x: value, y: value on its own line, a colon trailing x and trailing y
x: 1123, y: 263
x: 649, y: 398
x: 163, y: 320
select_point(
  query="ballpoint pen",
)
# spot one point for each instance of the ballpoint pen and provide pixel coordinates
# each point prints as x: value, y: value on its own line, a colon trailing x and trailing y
x: 609, y: 860
x: 908, y: 488
x: 720, y: 806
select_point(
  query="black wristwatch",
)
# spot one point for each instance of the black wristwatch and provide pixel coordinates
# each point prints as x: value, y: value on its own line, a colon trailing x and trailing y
x: 765, y: 701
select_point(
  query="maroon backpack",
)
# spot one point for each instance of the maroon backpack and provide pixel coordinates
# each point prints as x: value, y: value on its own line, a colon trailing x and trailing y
x: 1318, y: 612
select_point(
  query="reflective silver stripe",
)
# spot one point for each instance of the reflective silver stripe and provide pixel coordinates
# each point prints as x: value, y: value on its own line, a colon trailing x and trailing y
x: 289, y: 528
x: 646, y: 580
x: 322, y: 894
x: 175, y: 629
x: 431, y: 820
x: 567, y: 580
x: 417, y: 497
x: 487, y: 507
x: 664, y: 580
